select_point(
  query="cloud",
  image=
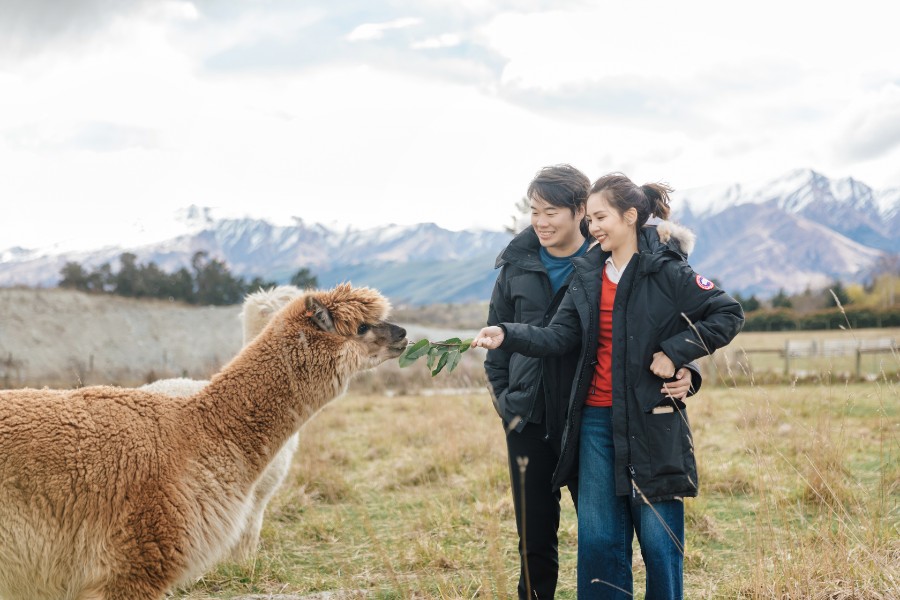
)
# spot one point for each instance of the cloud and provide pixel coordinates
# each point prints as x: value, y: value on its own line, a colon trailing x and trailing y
x: 445, y: 40
x: 29, y: 27
x: 375, y: 31
x: 94, y: 136
x: 871, y: 126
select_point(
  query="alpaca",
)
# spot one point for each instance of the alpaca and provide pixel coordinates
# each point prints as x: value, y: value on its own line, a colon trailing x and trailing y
x: 120, y: 494
x: 256, y: 312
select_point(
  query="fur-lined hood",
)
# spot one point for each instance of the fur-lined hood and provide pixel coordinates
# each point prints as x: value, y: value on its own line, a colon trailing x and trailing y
x: 677, y: 237
x: 657, y: 237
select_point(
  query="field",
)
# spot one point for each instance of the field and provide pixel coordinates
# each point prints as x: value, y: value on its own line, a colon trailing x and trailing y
x: 400, y: 488
x: 406, y: 496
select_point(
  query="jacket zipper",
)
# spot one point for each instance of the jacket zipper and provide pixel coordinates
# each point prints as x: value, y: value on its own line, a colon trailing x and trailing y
x: 571, y: 418
x: 631, y: 472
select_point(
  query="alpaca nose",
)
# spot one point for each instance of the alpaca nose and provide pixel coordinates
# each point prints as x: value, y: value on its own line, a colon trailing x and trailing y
x: 398, y: 333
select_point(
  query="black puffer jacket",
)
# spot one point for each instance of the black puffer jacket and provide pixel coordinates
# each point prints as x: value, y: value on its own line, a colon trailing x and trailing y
x: 655, y: 451
x: 526, y: 387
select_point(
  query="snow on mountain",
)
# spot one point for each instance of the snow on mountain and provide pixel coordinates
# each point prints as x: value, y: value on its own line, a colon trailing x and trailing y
x: 888, y: 203
x: 847, y: 205
x: 792, y: 232
x: 793, y: 192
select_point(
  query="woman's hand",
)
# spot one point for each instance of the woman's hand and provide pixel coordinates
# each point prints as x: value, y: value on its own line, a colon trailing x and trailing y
x: 679, y: 388
x: 662, y: 366
x: 489, y: 337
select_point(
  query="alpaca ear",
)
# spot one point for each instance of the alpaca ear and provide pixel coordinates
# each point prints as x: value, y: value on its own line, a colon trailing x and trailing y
x: 320, y: 315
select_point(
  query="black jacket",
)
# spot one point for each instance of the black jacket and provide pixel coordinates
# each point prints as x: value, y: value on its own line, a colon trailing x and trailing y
x: 528, y: 389
x: 654, y: 451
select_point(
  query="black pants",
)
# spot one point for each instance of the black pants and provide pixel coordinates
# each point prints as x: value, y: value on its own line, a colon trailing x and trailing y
x: 541, y: 508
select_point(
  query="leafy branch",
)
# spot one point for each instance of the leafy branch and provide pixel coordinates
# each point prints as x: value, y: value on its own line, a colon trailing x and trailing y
x: 445, y: 353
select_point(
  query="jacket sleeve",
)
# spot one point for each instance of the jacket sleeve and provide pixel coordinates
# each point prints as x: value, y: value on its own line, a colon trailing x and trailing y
x: 696, y: 378
x: 712, y: 317
x: 496, y: 365
x: 559, y: 337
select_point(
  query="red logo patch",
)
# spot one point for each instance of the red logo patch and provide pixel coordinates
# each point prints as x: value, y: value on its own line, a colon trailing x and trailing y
x: 704, y: 284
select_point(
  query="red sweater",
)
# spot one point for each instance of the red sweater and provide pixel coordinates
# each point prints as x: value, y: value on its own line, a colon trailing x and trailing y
x: 600, y: 393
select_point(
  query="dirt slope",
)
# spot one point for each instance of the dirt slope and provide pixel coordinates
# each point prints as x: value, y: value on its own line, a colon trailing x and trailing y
x: 62, y: 338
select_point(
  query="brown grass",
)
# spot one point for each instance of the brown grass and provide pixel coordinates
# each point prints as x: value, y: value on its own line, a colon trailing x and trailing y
x: 407, y: 496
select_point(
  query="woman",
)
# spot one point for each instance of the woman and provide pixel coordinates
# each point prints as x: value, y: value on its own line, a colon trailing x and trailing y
x: 639, y: 312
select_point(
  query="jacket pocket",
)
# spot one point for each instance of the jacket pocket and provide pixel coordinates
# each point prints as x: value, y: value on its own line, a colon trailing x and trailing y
x: 667, y: 442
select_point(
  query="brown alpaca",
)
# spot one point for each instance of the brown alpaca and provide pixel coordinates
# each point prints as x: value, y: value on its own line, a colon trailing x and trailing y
x: 120, y: 494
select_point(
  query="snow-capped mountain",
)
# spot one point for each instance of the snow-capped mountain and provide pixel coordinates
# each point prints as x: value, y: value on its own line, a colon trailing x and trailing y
x: 847, y: 205
x: 797, y: 231
x: 419, y: 263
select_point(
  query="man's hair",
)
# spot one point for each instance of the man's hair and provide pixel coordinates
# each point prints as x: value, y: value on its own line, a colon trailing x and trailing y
x: 560, y: 185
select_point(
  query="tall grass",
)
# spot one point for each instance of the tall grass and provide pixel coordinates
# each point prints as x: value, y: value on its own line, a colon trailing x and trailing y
x: 408, y: 496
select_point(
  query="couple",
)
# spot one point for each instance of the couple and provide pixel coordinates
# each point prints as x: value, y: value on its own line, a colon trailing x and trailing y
x: 594, y: 322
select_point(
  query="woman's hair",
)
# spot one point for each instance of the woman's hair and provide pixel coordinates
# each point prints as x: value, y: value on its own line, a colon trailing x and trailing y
x: 622, y: 194
x: 560, y: 185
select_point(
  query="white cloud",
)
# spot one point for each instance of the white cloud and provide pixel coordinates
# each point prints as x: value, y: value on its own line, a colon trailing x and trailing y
x: 375, y: 31
x: 446, y: 120
x: 445, y: 40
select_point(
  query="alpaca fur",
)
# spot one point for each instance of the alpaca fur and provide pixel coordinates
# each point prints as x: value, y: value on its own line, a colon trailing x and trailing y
x: 121, y: 494
x: 256, y: 312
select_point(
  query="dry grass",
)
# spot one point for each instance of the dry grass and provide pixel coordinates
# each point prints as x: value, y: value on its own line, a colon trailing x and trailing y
x: 407, y: 496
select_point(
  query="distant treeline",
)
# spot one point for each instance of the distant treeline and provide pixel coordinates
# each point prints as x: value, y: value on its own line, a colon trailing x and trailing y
x: 874, y: 304
x: 208, y: 282
x: 785, y: 319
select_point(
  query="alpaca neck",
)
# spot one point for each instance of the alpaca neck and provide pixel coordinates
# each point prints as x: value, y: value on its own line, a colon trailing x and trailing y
x: 257, y: 402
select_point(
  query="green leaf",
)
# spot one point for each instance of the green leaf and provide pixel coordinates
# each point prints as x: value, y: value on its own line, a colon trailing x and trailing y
x: 453, y: 360
x: 414, y: 352
x: 441, y: 363
x: 450, y: 342
x: 432, y: 355
x: 465, y: 345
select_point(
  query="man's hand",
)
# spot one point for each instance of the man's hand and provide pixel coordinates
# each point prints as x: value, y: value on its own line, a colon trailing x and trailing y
x: 489, y: 337
x: 678, y: 389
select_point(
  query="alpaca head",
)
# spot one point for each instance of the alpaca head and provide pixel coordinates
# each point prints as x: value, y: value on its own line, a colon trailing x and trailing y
x: 347, y: 322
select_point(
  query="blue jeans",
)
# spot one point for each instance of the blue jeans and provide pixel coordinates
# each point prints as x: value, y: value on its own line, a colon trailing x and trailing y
x: 607, y: 523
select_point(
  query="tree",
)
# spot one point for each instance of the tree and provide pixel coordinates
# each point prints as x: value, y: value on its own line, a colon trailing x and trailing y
x: 303, y: 279
x: 73, y: 276
x: 125, y: 282
x: 520, y: 219
x: 748, y: 304
x: 180, y: 286
x: 837, y: 294
x: 781, y: 300
x: 214, y: 283
x: 258, y: 283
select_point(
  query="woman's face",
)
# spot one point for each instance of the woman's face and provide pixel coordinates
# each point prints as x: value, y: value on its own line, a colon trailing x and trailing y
x: 607, y: 226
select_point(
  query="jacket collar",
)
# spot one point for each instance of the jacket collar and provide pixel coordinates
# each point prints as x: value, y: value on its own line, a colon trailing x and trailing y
x: 523, y: 251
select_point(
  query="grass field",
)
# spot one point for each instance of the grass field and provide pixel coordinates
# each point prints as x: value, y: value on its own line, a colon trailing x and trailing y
x: 407, y: 496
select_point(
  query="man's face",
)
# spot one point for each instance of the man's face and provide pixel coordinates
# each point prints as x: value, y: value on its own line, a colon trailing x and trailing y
x: 556, y: 227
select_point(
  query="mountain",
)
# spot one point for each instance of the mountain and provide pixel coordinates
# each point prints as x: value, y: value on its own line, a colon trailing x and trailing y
x: 418, y: 264
x: 847, y: 206
x: 796, y: 231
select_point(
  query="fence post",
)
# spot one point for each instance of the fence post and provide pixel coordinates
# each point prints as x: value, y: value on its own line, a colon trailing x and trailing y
x: 858, y: 362
x: 787, y: 358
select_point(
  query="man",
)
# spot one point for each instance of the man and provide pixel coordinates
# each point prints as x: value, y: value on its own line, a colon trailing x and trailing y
x: 532, y: 393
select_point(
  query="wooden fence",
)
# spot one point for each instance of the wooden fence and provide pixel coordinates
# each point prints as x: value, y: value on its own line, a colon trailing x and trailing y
x: 796, y: 349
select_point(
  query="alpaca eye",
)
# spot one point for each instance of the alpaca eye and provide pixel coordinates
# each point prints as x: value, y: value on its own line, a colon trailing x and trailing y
x: 362, y: 329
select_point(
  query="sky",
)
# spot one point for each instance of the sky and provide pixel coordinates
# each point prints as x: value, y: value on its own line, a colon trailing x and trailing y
x: 116, y: 115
